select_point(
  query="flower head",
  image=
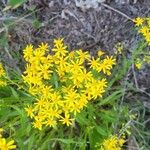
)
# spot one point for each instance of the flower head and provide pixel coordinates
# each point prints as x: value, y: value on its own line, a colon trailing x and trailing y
x: 138, y: 21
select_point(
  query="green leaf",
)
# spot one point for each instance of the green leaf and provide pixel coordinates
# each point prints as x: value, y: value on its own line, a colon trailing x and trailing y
x: 102, y: 130
x: 36, y: 24
x: 31, y: 141
x: 114, y: 96
x: 82, y: 118
x: 94, y: 138
x: 3, y: 40
x: 14, y: 93
x: 16, y: 3
x: 13, y: 4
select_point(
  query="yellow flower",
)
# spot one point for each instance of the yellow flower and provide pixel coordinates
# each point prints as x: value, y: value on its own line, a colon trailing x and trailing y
x: 138, y: 64
x: 95, y: 63
x: 51, y: 123
x: 38, y: 55
x: 66, y: 120
x: 3, y: 81
x: 82, y: 55
x: 107, y: 64
x: 46, y: 91
x: 100, y: 53
x: 112, y: 143
x: 28, y: 52
x: 71, y: 55
x: 30, y: 111
x: 138, y: 21
x: 45, y: 71
x: 59, y: 48
x: 75, y: 66
x: 6, y: 146
x: 75, y: 107
x: 148, y: 21
x: 83, y: 100
x: 71, y: 96
x: 43, y: 47
x: 2, y: 71
x: 37, y: 124
x: 144, y: 30
x: 40, y: 103
x: 85, y: 76
x: 95, y: 88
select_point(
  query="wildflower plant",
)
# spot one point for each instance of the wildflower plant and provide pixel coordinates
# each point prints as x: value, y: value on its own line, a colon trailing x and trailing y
x: 60, y: 88
x: 63, y: 82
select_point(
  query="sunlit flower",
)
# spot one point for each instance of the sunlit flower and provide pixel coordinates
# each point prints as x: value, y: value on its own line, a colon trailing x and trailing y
x: 112, y: 143
x: 66, y: 120
x: 100, y: 53
x: 138, y: 21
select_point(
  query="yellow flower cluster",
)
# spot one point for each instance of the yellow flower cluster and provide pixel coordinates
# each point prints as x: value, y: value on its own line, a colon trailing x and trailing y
x: 112, y: 143
x: 62, y: 82
x: 2, y: 75
x: 144, y: 27
x: 4, y: 145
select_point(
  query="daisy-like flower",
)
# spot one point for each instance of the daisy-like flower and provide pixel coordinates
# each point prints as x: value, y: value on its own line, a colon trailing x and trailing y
x: 66, y: 120
x: 59, y: 48
x: 100, y: 53
x: 138, y: 21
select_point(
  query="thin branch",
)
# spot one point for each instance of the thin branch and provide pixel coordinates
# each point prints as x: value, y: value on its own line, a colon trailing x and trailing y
x: 117, y: 11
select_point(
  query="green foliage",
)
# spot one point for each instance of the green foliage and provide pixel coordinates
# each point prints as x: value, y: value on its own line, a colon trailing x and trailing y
x: 36, y: 24
x: 13, y: 4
